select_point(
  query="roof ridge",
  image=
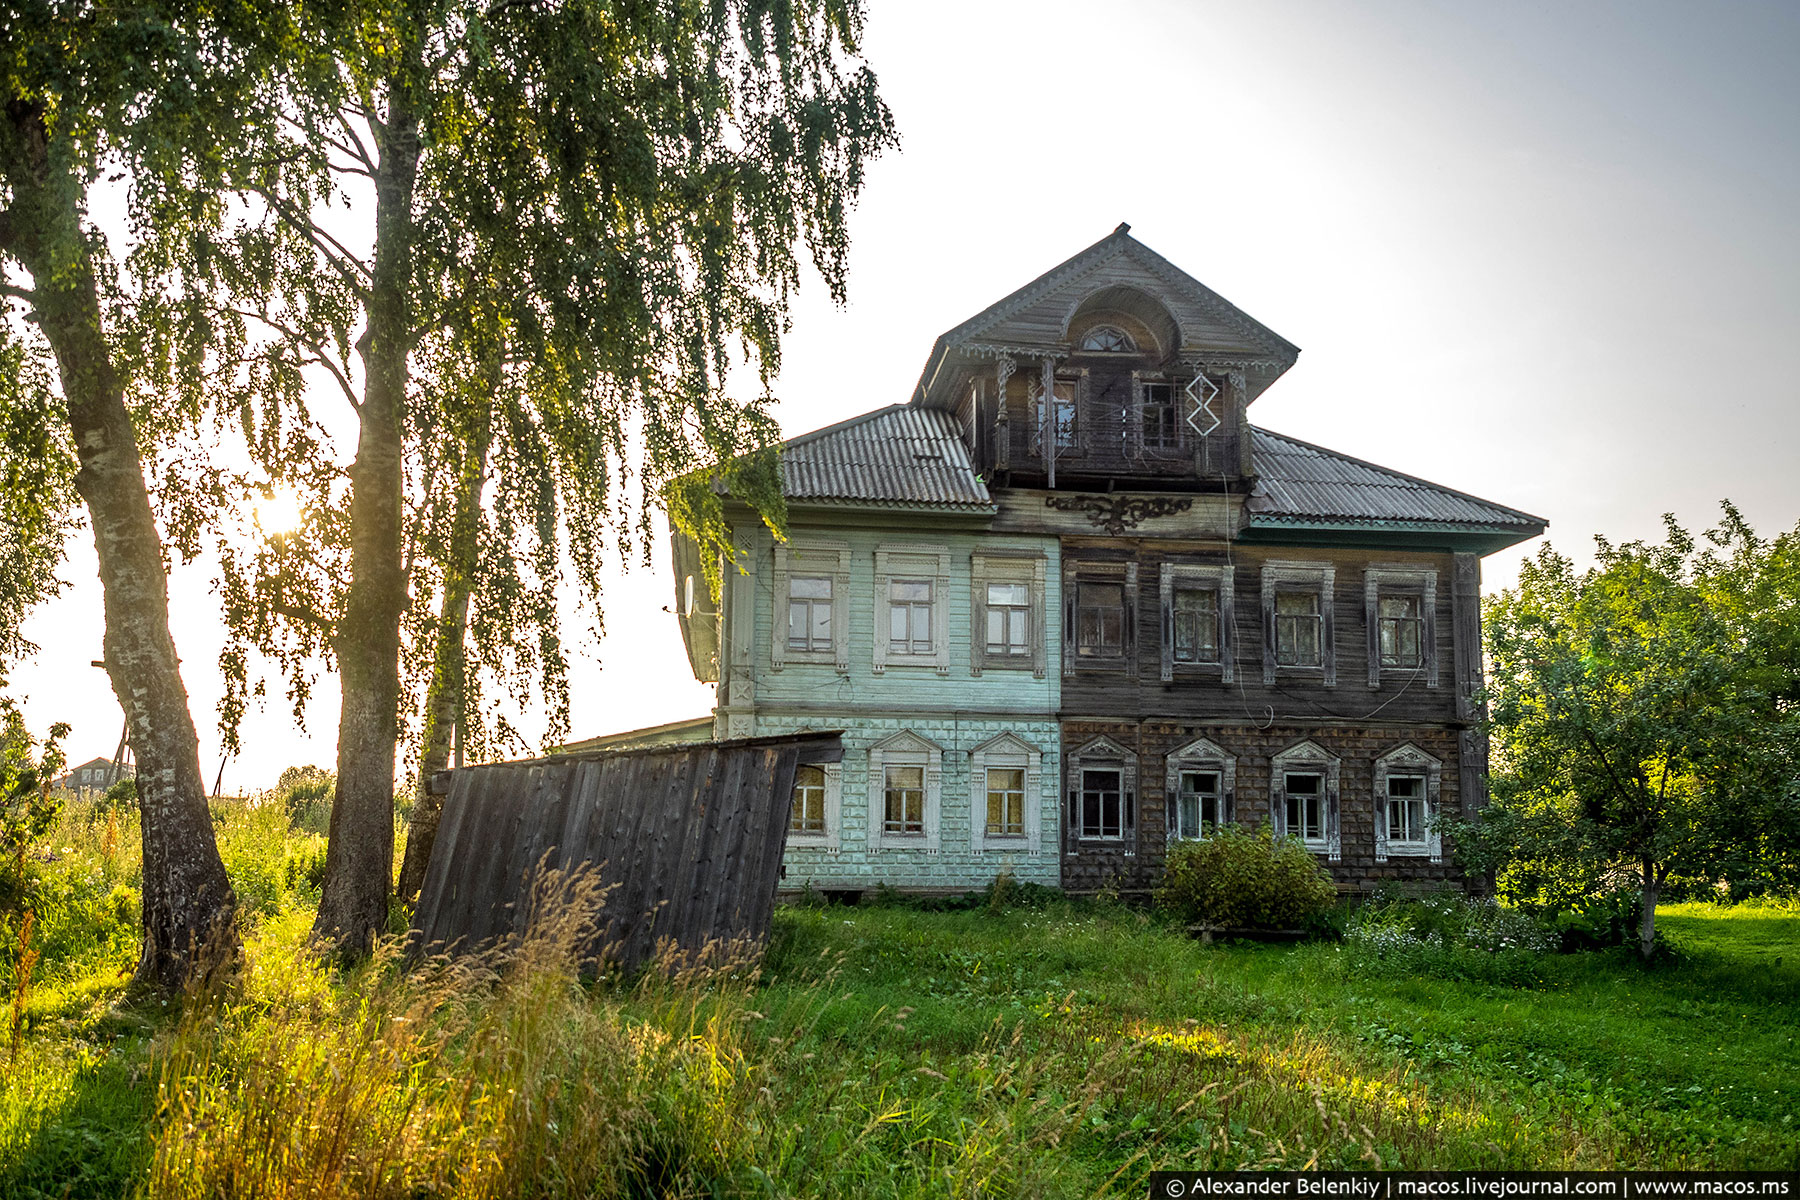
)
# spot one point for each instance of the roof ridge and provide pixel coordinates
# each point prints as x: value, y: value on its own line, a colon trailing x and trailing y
x: 801, y: 439
x: 1373, y: 466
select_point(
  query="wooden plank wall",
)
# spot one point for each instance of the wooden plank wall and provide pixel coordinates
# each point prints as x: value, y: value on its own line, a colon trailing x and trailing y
x: 689, y: 838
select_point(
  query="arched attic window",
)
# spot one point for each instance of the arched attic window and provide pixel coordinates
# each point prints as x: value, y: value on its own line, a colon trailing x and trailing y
x: 1108, y: 339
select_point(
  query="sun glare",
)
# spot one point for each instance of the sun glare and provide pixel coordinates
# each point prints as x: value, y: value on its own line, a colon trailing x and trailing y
x: 279, y: 512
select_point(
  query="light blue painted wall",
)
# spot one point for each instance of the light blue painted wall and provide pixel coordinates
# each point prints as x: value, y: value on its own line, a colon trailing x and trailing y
x: 955, y: 866
x: 910, y: 687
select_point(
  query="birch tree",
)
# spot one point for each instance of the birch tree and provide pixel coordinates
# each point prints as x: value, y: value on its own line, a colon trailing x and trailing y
x: 656, y: 170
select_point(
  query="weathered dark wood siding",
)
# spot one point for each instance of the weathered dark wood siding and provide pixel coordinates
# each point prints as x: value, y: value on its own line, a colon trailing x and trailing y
x: 689, y: 838
x: 1135, y: 864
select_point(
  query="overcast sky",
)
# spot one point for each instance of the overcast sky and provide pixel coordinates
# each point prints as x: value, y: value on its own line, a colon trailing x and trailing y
x: 1544, y: 253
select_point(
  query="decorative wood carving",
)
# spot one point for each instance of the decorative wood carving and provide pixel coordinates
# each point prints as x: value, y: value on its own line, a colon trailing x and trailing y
x: 1116, y: 514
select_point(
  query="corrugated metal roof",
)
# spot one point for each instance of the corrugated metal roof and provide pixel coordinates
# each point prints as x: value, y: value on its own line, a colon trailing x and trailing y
x: 1300, y: 481
x: 895, y: 455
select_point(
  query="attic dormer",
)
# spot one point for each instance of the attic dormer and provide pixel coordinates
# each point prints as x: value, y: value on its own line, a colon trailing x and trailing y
x: 1115, y: 367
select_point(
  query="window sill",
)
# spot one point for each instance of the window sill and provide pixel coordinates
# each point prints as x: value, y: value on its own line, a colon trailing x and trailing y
x: 1408, y: 850
x: 824, y: 658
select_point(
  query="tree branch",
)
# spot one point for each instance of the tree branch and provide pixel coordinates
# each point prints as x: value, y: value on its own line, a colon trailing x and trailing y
x: 304, y: 616
x: 318, y: 351
x: 18, y: 293
x: 356, y: 275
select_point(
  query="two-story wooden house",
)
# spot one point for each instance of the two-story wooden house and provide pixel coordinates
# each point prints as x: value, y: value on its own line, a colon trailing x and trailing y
x: 1069, y: 605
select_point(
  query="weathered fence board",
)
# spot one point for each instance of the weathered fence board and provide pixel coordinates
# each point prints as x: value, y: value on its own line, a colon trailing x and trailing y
x: 689, y: 839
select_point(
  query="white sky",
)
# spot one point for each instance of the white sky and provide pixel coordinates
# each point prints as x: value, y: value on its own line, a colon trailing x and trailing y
x: 1545, y: 253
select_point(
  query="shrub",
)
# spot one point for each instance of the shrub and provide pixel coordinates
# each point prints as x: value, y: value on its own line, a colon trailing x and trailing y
x: 1449, y: 936
x: 1247, y: 880
x: 122, y: 794
x: 305, y: 794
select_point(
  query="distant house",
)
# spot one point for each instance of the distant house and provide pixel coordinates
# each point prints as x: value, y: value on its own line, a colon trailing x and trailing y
x: 1069, y: 606
x: 95, y: 773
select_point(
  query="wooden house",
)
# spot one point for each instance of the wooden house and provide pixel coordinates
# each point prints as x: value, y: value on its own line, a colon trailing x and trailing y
x: 1070, y: 605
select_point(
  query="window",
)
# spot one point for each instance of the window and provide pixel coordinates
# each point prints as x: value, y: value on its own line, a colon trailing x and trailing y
x: 812, y: 587
x: 1006, y: 801
x: 905, y: 777
x: 1399, y: 606
x: 1008, y: 620
x: 1298, y: 616
x: 909, y: 617
x: 809, y: 800
x: 904, y: 801
x: 1161, y: 429
x: 1196, y: 618
x: 1102, y: 804
x: 1200, y: 784
x: 1297, y: 629
x: 910, y: 584
x: 1199, y: 804
x: 809, y: 613
x: 1066, y: 414
x: 1100, y: 619
x: 1006, y: 598
x: 1402, y: 632
x: 1305, y: 794
x: 1406, y: 812
x: 1406, y: 801
x: 1303, y: 798
x: 1105, y: 339
x: 1196, y: 612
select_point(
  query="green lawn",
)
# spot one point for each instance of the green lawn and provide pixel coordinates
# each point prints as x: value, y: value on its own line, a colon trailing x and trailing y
x: 1056, y: 1051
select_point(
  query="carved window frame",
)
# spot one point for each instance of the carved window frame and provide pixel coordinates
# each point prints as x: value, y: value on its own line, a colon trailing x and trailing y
x: 1408, y: 761
x: 1387, y: 579
x: 1102, y: 754
x: 905, y: 749
x: 1006, y: 751
x: 831, y: 840
x: 1201, y: 754
x: 1223, y: 580
x: 1289, y: 575
x: 1308, y: 758
x: 808, y: 558
x: 904, y: 561
x: 1099, y: 571
x: 991, y: 564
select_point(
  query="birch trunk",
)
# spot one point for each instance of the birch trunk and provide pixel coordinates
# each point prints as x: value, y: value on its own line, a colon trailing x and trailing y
x: 360, y: 853
x: 189, y: 909
x: 1647, y: 923
x: 444, y: 701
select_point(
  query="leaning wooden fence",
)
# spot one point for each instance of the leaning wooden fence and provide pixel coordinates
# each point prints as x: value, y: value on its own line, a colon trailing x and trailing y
x: 689, y: 838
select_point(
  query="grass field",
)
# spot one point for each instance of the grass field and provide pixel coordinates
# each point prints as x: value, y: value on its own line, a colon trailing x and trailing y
x: 1063, y: 1050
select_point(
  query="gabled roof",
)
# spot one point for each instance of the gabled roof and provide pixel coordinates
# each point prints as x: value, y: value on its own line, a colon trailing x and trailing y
x: 912, y: 457
x: 1298, y: 483
x: 1210, y: 318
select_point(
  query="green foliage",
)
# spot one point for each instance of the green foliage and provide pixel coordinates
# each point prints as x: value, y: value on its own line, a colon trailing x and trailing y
x: 27, y: 805
x: 1448, y: 936
x: 305, y: 794
x: 1243, y: 879
x: 37, y: 496
x: 1645, y: 719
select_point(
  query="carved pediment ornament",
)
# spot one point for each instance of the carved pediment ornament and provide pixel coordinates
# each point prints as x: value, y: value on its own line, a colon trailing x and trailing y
x: 1116, y: 514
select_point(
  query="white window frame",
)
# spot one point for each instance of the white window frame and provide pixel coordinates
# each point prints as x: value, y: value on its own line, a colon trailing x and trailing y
x: 1223, y: 580
x: 1292, y: 576
x: 996, y: 565
x: 1201, y: 754
x: 1006, y: 751
x: 904, y: 749
x: 1308, y: 758
x: 809, y: 559
x: 1103, y: 754
x: 831, y: 840
x: 1407, y: 760
x: 901, y: 561
x: 1399, y: 579
x: 1076, y: 382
